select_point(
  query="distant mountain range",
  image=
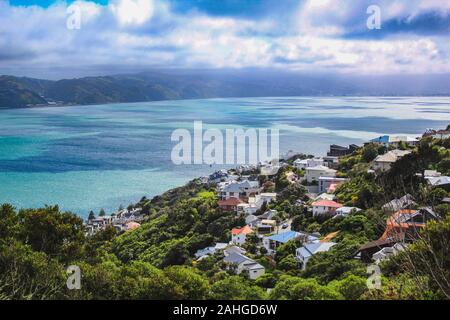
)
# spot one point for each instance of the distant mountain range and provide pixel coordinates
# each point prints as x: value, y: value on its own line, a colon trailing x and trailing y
x: 16, y: 92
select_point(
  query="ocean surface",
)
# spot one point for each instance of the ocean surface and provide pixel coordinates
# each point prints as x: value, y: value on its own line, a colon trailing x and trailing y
x: 103, y: 156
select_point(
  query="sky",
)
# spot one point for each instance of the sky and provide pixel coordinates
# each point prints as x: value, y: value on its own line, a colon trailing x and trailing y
x: 38, y: 37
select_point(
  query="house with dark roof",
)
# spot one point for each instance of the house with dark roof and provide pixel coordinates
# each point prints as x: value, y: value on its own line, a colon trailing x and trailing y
x: 405, y: 202
x: 241, y: 263
x: 339, y: 151
x: 303, y: 254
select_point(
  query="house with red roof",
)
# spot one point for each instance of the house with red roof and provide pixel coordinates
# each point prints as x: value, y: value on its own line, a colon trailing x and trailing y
x: 325, y: 207
x: 239, y: 235
x: 402, y: 226
x: 230, y: 204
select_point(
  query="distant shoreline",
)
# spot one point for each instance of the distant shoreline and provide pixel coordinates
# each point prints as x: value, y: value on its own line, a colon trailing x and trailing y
x: 59, y: 105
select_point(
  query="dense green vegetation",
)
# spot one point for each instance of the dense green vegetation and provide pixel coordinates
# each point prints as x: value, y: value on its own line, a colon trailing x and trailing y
x: 156, y: 261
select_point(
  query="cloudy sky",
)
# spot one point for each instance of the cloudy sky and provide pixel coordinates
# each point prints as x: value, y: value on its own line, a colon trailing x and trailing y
x: 297, y: 35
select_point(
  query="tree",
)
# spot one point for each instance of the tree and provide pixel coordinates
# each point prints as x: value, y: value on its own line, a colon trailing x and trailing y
x: 236, y: 288
x: 140, y: 280
x: 102, y: 213
x: 335, y: 263
x: 58, y: 234
x: 370, y: 152
x: 193, y: 286
x: 288, y: 263
x: 351, y: 288
x: 26, y: 274
x: 295, y: 288
x: 267, y: 280
x: 8, y: 222
x: 91, y: 215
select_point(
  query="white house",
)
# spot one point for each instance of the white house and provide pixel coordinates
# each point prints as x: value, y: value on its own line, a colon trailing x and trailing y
x: 243, y: 263
x: 385, y: 161
x: 325, y: 207
x: 314, y: 173
x: 202, y: 253
x: 239, y: 235
x: 387, y: 252
x: 304, y: 253
x: 306, y: 163
x: 345, y: 211
x: 438, y: 181
x: 255, y: 203
x: 239, y: 189
x: 326, y: 182
x: 267, y: 197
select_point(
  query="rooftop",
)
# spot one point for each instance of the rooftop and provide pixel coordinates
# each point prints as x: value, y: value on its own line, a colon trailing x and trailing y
x: 244, y: 230
x: 230, y: 202
x: 312, y: 248
x: 284, y: 237
x: 392, y: 155
x: 326, y: 203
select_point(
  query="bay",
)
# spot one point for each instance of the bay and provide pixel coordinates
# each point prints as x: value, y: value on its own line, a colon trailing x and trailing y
x: 103, y: 156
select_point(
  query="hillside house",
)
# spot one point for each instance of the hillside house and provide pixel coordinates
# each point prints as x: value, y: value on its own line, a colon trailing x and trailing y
x: 405, y: 202
x: 385, y: 161
x: 239, y: 189
x: 329, y: 184
x: 328, y: 207
x: 230, y: 204
x: 339, y: 151
x: 302, y: 164
x: 239, y: 235
x: 395, y: 141
x: 303, y: 254
x: 314, y: 173
x: 242, y: 263
x: 272, y: 242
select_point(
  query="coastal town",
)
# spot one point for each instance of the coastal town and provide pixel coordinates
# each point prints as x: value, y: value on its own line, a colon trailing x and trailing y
x: 247, y: 194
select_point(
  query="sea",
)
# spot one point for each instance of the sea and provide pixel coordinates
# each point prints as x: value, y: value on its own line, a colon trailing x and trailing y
x: 97, y: 157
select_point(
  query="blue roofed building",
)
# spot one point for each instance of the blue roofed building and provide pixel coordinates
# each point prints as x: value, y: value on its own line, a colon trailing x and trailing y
x: 381, y: 140
x: 272, y: 242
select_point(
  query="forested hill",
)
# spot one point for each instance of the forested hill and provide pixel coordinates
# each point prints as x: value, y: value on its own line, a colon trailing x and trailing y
x: 169, y: 85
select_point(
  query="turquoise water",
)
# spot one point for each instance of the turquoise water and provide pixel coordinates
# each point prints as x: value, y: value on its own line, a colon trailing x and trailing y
x: 104, y: 156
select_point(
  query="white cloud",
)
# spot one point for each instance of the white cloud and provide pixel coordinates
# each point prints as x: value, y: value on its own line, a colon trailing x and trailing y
x: 132, y: 12
x: 148, y: 33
